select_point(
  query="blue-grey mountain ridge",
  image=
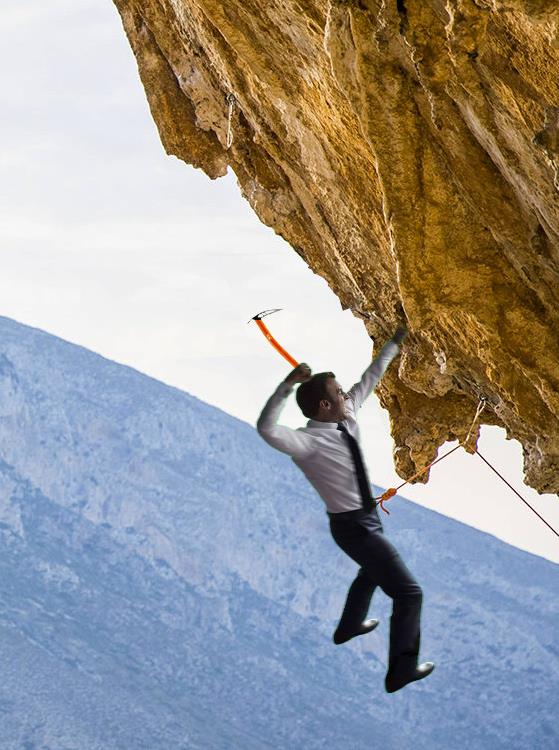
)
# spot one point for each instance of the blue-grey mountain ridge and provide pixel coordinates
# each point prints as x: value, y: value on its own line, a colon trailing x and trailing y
x: 168, y: 582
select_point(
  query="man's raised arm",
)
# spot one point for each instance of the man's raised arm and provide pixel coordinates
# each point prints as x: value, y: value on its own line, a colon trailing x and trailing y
x: 374, y: 372
x: 293, y: 442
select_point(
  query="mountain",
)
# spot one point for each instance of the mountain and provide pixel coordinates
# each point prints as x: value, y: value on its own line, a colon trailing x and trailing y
x: 168, y: 582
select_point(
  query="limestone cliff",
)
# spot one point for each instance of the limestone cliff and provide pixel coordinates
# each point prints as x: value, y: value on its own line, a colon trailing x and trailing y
x: 408, y: 150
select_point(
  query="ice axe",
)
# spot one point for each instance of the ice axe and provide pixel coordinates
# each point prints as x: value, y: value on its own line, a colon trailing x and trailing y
x: 258, y: 320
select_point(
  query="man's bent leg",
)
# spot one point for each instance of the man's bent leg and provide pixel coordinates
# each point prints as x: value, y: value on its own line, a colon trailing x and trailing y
x: 356, y: 606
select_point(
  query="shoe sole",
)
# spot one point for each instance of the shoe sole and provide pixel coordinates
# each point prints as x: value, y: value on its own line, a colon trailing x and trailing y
x: 414, y: 679
x: 345, y: 640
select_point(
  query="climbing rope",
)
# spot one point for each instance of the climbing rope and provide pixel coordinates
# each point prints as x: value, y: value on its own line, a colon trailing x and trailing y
x: 518, y: 494
x: 393, y: 490
x: 381, y: 499
x: 231, y: 103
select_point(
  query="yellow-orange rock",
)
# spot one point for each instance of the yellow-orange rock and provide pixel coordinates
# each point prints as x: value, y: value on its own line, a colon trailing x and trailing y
x: 408, y: 150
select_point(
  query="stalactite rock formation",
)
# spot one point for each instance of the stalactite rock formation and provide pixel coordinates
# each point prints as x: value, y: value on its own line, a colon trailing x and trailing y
x: 408, y: 150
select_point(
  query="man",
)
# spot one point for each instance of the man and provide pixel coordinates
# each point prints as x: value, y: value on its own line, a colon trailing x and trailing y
x: 327, y: 452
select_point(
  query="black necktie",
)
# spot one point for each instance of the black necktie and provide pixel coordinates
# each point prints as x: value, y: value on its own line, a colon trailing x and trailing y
x: 363, y: 481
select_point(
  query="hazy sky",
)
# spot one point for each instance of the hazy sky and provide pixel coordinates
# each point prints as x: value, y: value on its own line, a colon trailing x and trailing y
x: 109, y: 243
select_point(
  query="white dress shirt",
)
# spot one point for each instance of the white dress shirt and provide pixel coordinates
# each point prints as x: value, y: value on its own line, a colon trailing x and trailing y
x: 320, y: 450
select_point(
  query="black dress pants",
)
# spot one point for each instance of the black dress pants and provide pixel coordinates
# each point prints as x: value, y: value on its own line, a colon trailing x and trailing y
x: 360, y: 535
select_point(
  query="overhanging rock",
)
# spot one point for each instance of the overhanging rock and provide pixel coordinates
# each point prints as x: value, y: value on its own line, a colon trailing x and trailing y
x: 408, y: 150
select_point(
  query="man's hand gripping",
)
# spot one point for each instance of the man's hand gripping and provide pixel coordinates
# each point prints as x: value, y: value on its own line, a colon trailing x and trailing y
x: 299, y: 375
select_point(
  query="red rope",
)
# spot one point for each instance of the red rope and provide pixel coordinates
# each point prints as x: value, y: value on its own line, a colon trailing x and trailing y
x: 393, y: 490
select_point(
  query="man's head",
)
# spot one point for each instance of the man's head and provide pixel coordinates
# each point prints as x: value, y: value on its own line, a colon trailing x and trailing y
x: 322, y: 398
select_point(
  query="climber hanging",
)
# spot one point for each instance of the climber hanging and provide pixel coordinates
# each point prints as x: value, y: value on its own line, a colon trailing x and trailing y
x: 327, y: 451
x: 332, y: 461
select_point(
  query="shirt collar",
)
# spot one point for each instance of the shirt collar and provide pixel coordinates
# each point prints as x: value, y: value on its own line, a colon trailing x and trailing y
x: 327, y: 425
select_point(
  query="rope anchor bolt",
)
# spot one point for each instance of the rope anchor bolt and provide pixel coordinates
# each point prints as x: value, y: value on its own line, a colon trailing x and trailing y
x: 231, y: 103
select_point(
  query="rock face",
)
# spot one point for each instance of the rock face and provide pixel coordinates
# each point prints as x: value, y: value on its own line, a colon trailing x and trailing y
x: 408, y: 150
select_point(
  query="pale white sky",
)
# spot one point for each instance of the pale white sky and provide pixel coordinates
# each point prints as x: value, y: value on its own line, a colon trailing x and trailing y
x: 109, y: 243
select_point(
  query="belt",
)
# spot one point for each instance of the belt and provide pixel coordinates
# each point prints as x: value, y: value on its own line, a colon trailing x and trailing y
x: 359, y: 512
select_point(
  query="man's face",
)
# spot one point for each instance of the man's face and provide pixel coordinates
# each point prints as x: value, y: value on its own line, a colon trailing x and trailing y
x: 338, y: 401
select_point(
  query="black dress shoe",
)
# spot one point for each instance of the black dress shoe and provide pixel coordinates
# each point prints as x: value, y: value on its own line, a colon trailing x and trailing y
x: 422, y: 670
x: 366, y: 627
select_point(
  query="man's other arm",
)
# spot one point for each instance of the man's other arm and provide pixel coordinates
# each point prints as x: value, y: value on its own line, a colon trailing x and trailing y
x: 293, y: 442
x: 374, y: 372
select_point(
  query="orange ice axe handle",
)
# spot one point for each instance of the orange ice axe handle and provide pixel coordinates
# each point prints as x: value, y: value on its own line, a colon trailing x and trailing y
x: 274, y: 343
x: 277, y: 346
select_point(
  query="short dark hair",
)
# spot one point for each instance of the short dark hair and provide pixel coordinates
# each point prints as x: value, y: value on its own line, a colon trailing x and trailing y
x: 311, y: 392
